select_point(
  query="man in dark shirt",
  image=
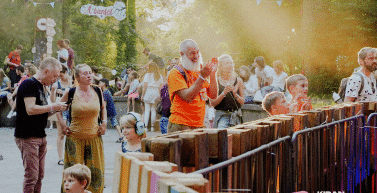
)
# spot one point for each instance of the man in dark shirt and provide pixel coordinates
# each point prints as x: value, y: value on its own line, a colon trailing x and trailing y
x: 32, y: 113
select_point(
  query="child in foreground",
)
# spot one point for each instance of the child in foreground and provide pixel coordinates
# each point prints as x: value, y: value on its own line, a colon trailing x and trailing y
x: 133, y: 129
x: 275, y: 103
x: 297, y: 86
x: 76, y: 179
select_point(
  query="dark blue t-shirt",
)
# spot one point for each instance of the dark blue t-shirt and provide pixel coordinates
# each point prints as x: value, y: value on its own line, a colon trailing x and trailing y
x: 110, y: 107
x: 30, y: 125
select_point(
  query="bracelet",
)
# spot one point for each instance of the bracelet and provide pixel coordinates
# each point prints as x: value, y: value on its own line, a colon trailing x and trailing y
x: 51, y: 108
x: 201, y: 77
x: 105, y: 120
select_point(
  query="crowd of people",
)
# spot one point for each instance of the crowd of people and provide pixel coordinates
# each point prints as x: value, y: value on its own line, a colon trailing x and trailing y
x: 187, y: 93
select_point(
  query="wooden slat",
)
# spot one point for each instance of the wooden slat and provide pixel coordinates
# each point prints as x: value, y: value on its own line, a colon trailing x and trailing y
x: 167, y: 149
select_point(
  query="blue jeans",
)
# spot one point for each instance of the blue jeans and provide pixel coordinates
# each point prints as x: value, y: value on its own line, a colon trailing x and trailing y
x: 164, y: 125
x: 249, y: 100
x: 113, y: 120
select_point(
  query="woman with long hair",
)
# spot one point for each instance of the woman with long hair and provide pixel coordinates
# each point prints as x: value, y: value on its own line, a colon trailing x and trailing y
x: 88, y: 122
x: 231, y: 97
x: 151, y: 89
x: 250, y: 82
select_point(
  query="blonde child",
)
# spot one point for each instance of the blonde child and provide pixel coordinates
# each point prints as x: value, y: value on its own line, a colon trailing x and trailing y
x: 76, y: 179
x: 297, y: 86
x: 132, y: 92
x: 133, y: 129
x: 275, y: 103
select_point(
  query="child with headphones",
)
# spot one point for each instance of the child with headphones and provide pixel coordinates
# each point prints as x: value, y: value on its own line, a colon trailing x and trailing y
x: 133, y: 129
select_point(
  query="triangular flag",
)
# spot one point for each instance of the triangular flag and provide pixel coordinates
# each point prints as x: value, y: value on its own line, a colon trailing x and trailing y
x: 35, y: 4
x: 52, y: 4
x: 279, y: 3
x: 258, y: 1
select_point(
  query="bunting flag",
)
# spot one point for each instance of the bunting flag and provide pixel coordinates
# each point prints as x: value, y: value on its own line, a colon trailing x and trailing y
x: 279, y: 3
x: 258, y: 1
x: 51, y: 3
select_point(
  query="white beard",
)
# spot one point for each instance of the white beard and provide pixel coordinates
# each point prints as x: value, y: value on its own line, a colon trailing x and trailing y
x: 189, y: 65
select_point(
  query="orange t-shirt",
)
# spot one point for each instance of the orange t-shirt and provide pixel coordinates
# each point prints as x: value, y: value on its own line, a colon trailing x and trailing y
x: 14, y: 58
x: 190, y: 114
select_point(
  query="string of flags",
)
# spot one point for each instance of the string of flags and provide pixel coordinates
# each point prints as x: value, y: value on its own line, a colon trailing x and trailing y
x: 278, y: 2
x: 50, y: 3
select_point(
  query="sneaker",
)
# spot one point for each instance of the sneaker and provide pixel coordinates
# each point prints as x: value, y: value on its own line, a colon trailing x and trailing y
x: 14, y: 114
x: 10, y: 114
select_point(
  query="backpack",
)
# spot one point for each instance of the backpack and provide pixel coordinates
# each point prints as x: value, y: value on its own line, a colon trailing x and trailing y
x: 343, y: 86
x: 161, y: 109
x: 71, y: 93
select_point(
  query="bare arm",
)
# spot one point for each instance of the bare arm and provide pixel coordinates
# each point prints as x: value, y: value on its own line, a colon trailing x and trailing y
x: 8, y: 87
x: 239, y: 93
x: 34, y: 109
x: 189, y: 94
x: 145, y: 84
x: 213, y: 87
x: 59, y: 115
x: 103, y: 116
x: 53, y: 93
x: 10, y: 63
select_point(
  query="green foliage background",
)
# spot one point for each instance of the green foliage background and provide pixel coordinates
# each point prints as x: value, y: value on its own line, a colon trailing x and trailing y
x: 328, y: 33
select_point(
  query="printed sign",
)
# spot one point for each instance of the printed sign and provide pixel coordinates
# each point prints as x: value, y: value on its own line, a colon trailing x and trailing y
x: 118, y: 10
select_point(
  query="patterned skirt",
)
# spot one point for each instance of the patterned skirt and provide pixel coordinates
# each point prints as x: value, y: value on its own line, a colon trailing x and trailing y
x: 88, y: 152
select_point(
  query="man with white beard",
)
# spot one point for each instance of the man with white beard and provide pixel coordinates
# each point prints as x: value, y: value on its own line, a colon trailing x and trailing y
x: 189, y: 87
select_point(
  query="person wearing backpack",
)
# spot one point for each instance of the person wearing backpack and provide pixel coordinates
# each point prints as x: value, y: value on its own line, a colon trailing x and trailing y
x: 367, y: 58
x: 88, y: 122
x: 189, y: 88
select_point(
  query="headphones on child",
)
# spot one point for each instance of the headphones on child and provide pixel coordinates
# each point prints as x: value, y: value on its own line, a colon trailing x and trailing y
x: 139, y: 126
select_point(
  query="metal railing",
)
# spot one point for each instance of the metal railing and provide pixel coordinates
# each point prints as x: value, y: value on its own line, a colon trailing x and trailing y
x: 264, y: 169
x: 330, y: 157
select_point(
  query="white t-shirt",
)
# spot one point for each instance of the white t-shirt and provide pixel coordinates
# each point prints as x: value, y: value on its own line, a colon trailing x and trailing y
x: 368, y: 93
x: 133, y: 86
x: 266, y: 72
x: 149, y: 78
x: 279, y: 80
x: 251, y: 86
x: 64, y: 53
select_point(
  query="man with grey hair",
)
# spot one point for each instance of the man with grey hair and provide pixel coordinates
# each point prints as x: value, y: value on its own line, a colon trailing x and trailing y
x: 367, y: 58
x: 189, y: 87
x: 32, y: 113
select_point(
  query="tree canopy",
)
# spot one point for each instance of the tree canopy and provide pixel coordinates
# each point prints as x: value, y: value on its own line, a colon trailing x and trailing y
x: 320, y: 38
